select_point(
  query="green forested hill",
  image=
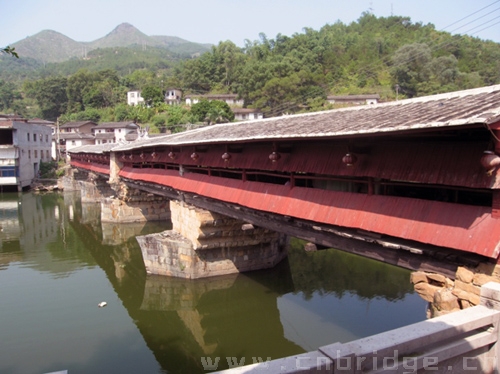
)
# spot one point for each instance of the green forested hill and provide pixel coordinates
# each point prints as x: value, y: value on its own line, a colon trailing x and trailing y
x: 372, y: 55
x: 284, y: 74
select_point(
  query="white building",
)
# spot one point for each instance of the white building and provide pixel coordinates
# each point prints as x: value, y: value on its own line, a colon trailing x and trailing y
x: 247, y: 114
x: 115, y: 132
x: 231, y: 99
x: 173, y: 96
x: 75, y: 134
x: 23, y: 146
x: 134, y: 98
x: 354, y: 99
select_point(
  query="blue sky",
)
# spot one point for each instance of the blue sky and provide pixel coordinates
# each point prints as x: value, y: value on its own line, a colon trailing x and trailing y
x: 211, y: 21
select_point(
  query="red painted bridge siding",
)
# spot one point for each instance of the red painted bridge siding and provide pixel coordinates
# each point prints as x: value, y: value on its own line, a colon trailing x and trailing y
x: 446, y: 163
x: 98, y: 168
x: 462, y: 227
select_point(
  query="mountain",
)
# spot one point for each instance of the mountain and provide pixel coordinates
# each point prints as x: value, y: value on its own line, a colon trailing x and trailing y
x: 124, y: 35
x: 48, y: 46
x: 51, y: 46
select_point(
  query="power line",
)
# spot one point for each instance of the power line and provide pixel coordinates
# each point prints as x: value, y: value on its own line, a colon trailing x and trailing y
x: 470, y: 15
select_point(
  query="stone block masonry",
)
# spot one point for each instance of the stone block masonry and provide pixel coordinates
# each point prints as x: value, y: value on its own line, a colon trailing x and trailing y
x: 205, y: 244
x: 148, y: 208
x: 447, y: 295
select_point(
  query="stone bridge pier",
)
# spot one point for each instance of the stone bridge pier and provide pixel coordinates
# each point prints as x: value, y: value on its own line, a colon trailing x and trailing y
x: 92, y: 187
x: 119, y: 204
x: 204, y: 244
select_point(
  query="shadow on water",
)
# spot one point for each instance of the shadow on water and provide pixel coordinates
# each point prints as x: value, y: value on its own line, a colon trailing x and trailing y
x: 247, y: 317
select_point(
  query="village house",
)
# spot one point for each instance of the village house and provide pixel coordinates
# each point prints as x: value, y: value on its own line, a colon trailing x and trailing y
x: 231, y: 99
x: 75, y: 134
x: 115, y: 132
x: 354, y: 99
x: 134, y: 98
x: 23, y: 146
x: 173, y: 96
x: 53, y: 127
x: 247, y: 114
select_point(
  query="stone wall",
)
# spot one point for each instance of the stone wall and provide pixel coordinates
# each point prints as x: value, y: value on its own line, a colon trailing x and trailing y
x: 148, y: 208
x: 92, y: 188
x: 132, y: 205
x: 205, y: 244
x: 446, y: 295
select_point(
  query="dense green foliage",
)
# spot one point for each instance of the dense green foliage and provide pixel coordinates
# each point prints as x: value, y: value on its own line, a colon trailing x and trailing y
x: 372, y: 55
x: 48, y: 169
x: 211, y: 112
x: 283, y: 75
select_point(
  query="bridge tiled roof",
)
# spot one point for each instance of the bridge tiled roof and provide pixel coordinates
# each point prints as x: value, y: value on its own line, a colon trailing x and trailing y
x: 94, y: 148
x: 75, y: 136
x: 476, y: 107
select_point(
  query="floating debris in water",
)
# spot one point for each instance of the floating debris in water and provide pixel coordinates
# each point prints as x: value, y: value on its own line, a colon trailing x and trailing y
x: 102, y: 304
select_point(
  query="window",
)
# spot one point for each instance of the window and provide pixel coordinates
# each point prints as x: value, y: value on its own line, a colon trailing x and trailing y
x: 47, y: 154
x: 132, y: 94
x: 28, y: 135
x: 36, y: 153
x: 46, y: 138
x: 29, y: 153
x: 9, y: 171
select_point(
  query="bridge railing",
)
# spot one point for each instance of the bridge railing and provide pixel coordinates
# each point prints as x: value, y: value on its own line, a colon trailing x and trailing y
x: 464, y: 341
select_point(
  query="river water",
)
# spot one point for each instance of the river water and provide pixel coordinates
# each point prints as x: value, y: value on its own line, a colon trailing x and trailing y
x: 58, y: 262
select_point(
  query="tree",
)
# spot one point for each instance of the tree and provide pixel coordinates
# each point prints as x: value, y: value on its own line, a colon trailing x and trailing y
x: 50, y: 95
x: 410, y: 67
x: 10, y: 51
x: 231, y: 60
x: 211, y: 112
x: 200, y: 110
x: 8, y: 94
x: 153, y: 95
x: 219, y: 112
x: 78, y: 86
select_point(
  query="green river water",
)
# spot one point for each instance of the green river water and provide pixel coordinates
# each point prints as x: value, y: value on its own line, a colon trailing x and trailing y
x: 58, y: 262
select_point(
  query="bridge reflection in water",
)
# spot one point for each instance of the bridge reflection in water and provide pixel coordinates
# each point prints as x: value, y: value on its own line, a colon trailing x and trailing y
x: 308, y: 300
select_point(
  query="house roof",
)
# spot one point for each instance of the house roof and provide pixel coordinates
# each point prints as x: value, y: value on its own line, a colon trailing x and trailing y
x: 354, y: 97
x: 75, y: 136
x: 213, y: 96
x: 76, y: 124
x: 117, y: 125
x: 93, y: 148
x: 131, y: 136
x: 40, y: 121
x: 105, y: 135
x: 477, y: 107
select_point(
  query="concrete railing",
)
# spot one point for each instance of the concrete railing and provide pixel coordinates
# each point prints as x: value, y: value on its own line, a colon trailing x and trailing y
x: 463, y: 341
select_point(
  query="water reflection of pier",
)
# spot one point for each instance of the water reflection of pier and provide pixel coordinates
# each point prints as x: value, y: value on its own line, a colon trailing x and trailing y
x: 239, y: 316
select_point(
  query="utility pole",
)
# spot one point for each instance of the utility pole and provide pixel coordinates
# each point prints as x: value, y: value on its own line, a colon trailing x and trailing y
x: 58, y: 151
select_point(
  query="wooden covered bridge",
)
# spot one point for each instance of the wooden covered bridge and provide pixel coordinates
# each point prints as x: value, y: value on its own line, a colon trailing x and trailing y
x: 416, y: 176
x: 415, y: 183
